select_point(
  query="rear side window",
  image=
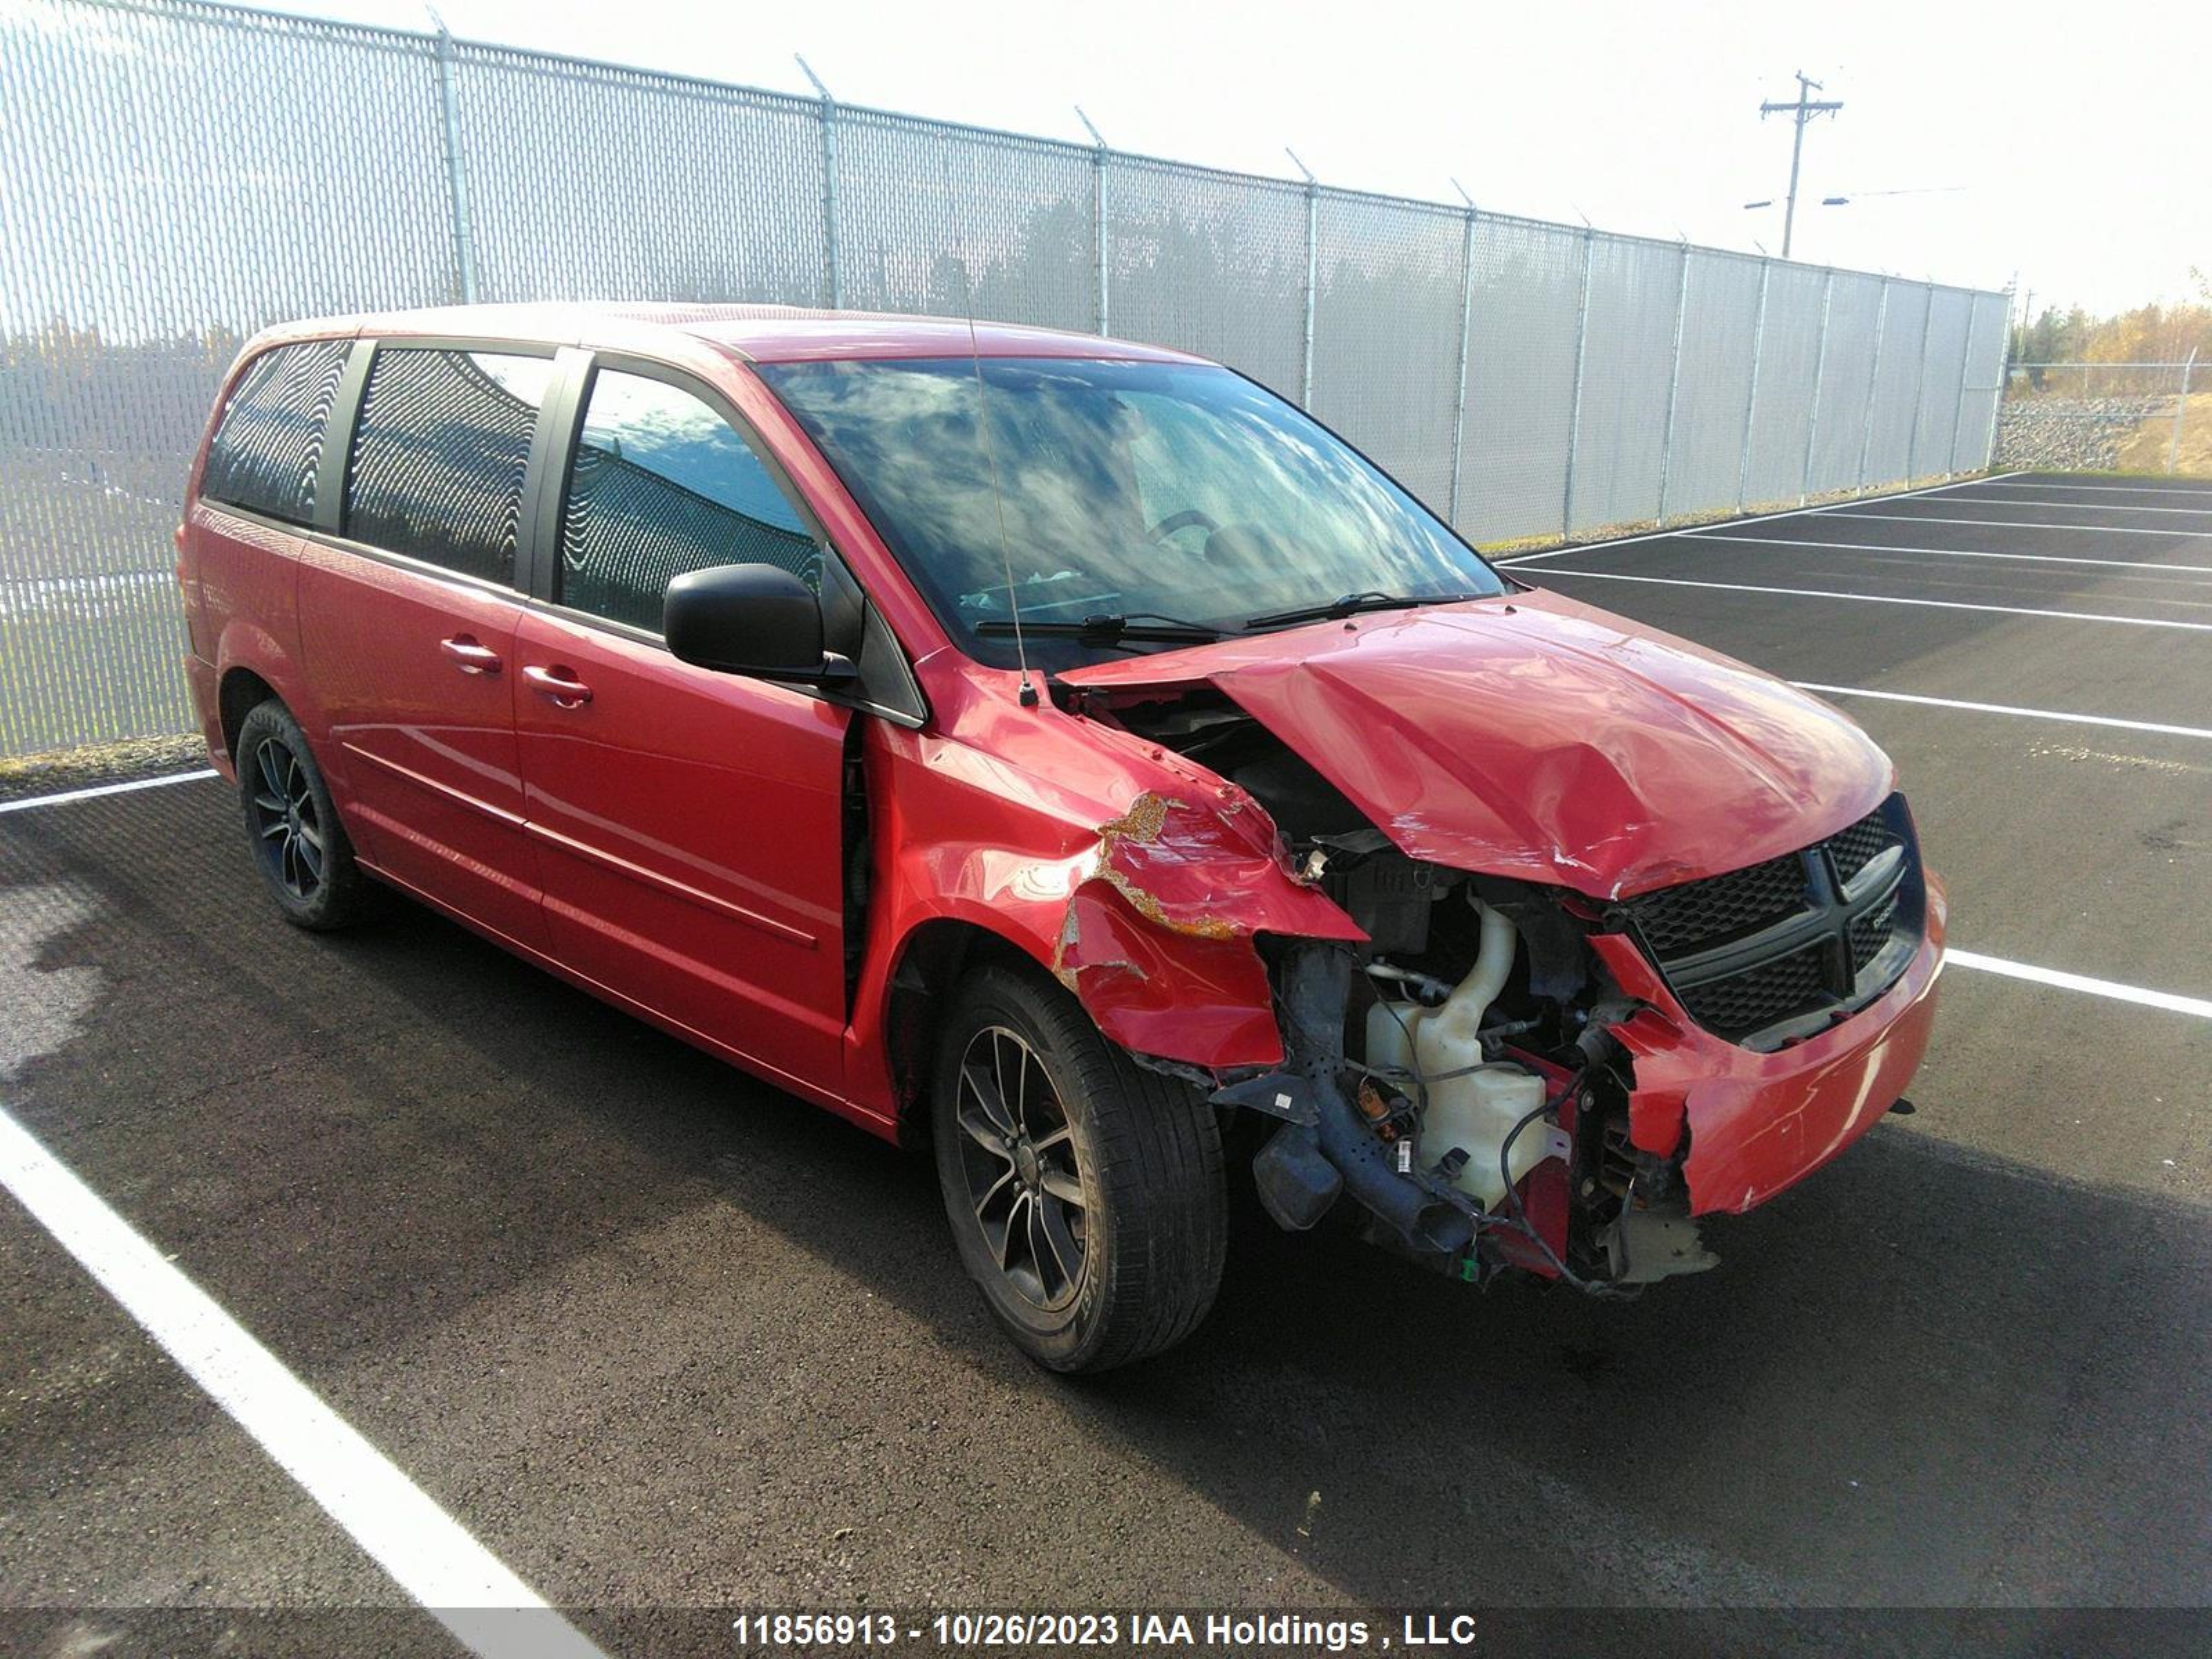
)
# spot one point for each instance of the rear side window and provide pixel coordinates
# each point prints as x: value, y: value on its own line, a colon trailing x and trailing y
x: 663, y: 484
x: 269, y: 442
x: 439, y: 455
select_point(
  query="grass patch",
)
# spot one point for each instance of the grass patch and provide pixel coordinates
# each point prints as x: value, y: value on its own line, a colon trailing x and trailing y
x: 2145, y: 451
x: 87, y: 764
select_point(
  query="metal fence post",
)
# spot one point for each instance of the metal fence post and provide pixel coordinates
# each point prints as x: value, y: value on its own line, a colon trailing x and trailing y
x: 1751, y: 403
x: 1920, y: 385
x: 1101, y: 276
x: 1673, y: 384
x: 1313, y: 277
x: 2180, y: 412
x: 1575, y: 409
x: 1958, y: 394
x: 1874, y: 386
x: 1466, y: 339
x: 457, y: 171
x: 1819, y: 373
x: 2003, y: 386
x: 833, y: 283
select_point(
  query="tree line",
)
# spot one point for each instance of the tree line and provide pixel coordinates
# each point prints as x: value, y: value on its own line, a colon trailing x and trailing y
x: 2153, y: 333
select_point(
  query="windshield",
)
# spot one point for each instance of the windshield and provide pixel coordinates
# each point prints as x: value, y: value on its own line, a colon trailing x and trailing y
x: 1176, y: 494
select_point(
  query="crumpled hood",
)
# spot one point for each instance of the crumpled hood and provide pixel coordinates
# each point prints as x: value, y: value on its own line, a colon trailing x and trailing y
x: 1534, y: 737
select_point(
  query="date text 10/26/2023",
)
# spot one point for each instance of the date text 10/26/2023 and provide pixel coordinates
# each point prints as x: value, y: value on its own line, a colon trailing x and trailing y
x: 1244, y: 1631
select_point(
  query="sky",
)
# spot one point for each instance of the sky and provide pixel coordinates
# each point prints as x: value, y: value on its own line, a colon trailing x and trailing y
x: 2023, y: 143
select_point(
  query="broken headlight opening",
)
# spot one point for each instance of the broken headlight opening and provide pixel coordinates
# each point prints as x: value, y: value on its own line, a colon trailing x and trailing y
x: 1476, y: 1126
x: 1455, y: 1075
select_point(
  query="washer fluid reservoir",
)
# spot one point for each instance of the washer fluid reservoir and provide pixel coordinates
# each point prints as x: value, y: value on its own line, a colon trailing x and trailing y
x: 1477, y: 1110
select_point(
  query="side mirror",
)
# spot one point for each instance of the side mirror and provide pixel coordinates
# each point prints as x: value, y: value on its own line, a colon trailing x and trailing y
x: 757, y: 619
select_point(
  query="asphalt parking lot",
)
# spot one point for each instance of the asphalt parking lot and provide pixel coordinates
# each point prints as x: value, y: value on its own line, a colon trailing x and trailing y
x: 657, y: 1336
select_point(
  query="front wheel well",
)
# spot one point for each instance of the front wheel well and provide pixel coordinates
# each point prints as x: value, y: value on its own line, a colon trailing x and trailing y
x: 936, y: 956
x: 242, y: 691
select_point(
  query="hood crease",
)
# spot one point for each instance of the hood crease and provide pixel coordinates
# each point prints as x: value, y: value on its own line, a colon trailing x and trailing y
x: 1538, y: 738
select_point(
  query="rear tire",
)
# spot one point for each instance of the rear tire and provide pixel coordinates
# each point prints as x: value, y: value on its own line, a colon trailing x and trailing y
x: 292, y: 830
x: 1086, y: 1193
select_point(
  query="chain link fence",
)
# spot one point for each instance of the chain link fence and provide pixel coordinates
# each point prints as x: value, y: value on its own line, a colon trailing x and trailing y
x: 2107, y: 417
x: 175, y: 175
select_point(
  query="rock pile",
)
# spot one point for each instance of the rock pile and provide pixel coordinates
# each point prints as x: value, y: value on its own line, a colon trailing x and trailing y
x: 2068, y: 434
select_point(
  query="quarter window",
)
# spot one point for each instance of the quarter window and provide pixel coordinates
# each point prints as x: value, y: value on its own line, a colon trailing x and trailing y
x: 439, y: 456
x: 663, y: 484
x: 269, y: 442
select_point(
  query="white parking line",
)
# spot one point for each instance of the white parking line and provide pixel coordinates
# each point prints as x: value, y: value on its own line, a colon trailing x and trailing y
x: 69, y: 795
x: 430, y: 1555
x: 1937, y: 489
x: 1887, y: 599
x: 2007, y: 483
x: 1756, y: 518
x: 2006, y: 708
x: 1996, y: 523
x: 2082, y: 506
x: 1955, y: 552
x: 2198, y: 1006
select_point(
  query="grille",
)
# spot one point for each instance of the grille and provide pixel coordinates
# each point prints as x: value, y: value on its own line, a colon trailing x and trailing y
x: 1750, y: 1002
x: 1871, y: 932
x: 1709, y: 912
x: 1855, y: 848
x: 1746, y: 952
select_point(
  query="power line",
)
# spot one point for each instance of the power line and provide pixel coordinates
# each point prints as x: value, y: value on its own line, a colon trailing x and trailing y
x: 1804, y: 109
x: 1917, y: 189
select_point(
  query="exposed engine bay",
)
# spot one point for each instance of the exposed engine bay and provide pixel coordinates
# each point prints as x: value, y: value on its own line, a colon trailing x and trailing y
x: 1460, y: 1074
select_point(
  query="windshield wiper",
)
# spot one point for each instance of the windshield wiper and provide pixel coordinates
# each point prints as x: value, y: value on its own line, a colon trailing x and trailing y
x: 1349, y: 603
x: 1111, y: 628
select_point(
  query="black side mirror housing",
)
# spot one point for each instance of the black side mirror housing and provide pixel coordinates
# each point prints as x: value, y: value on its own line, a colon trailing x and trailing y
x: 757, y: 619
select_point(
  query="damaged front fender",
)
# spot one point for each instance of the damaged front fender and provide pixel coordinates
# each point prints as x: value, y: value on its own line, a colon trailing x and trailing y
x: 1139, y: 880
x: 1157, y: 942
x: 1197, y: 999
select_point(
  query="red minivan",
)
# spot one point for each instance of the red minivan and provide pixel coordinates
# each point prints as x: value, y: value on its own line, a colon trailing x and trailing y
x: 1063, y: 751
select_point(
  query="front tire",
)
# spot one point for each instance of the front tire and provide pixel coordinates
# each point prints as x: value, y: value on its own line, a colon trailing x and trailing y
x: 292, y: 830
x: 1086, y: 1193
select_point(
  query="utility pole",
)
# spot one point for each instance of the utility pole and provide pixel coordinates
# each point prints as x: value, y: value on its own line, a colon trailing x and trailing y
x: 1804, y: 109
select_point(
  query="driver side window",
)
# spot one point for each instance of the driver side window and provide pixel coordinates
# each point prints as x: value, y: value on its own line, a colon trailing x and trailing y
x: 661, y: 485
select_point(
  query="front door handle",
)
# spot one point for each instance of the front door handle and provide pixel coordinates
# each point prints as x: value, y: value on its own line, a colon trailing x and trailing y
x: 470, y: 658
x: 561, y: 685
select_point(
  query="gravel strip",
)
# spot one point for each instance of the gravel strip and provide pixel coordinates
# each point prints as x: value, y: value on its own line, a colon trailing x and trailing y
x: 2069, y: 435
